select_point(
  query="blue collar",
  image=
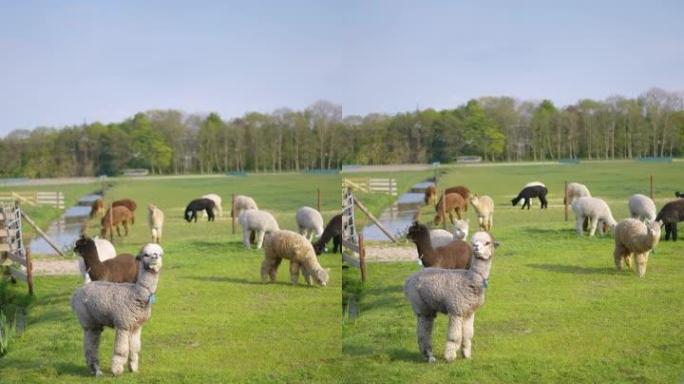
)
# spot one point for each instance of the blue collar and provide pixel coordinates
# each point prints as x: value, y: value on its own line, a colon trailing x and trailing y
x: 485, y: 283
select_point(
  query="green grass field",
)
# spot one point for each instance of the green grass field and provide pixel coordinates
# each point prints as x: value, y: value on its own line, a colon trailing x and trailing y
x: 556, y: 310
x: 214, y: 320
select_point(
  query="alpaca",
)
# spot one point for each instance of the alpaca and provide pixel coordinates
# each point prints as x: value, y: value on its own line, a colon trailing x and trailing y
x: 283, y: 244
x: 454, y: 203
x: 679, y: 194
x: 455, y: 292
x: 120, y: 269
x: 530, y: 192
x: 207, y: 205
x: 575, y: 191
x: 596, y: 210
x: 670, y: 214
x: 256, y: 224
x: 533, y: 183
x: 441, y: 237
x: 634, y: 237
x: 124, y: 307
x: 96, y: 208
x: 333, y: 230
x: 431, y: 193
x: 243, y: 203
x: 155, y: 219
x: 642, y: 207
x: 484, y: 207
x: 455, y: 254
x: 310, y: 222
x: 128, y: 203
x: 105, y: 251
x: 119, y: 215
x: 218, y: 209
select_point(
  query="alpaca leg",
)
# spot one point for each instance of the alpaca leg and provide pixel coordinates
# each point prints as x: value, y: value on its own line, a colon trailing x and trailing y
x: 424, y: 333
x: 294, y: 272
x: 468, y: 333
x: 307, y: 276
x: 451, y: 217
x: 268, y: 270
x: 125, y: 225
x: 91, y: 347
x: 628, y: 259
x: 490, y: 222
x: 458, y: 213
x: 154, y: 235
x: 594, y: 224
x: 260, y: 239
x: 245, y: 238
x: 121, y: 343
x: 118, y: 232
x: 480, y: 222
x: 454, y: 337
x: 134, y: 349
x: 642, y: 260
x: 668, y: 230
x: 618, y: 256
x: 274, y: 269
x: 578, y: 225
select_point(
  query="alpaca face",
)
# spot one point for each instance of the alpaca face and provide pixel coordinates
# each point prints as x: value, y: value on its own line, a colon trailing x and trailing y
x: 460, y: 229
x: 654, y: 228
x: 415, y: 231
x: 151, y: 256
x: 483, y: 245
x: 83, y: 245
x: 321, y: 277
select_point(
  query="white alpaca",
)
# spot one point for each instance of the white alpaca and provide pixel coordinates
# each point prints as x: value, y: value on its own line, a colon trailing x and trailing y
x: 441, y: 237
x: 122, y: 306
x: 596, y: 210
x: 155, y: 220
x: 289, y: 245
x: 642, y: 207
x: 256, y: 223
x: 310, y: 222
x: 243, y: 203
x: 217, y: 200
x: 105, y: 251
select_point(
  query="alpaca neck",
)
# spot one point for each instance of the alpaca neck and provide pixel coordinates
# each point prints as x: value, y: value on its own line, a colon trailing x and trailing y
x: 425, y: 249
x: 480, y: 266
x: 147, y: 280
x: 92, y: 261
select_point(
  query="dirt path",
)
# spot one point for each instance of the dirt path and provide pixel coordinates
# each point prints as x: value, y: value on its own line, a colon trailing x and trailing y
x: 391, y: 254
x: 55, y: 267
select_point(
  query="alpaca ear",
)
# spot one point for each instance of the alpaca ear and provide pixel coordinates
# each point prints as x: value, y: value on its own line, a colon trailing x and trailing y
x: 138, y: 257
x: 496, y: 244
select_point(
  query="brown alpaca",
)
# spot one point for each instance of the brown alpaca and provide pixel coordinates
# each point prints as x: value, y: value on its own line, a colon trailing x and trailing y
x: 455, y: 255
x: 121, y: 215
x: 431, y: 193
x: 97, y: 208
x: 128, y: 203
x: 120, y: 269
x: 454, y: 203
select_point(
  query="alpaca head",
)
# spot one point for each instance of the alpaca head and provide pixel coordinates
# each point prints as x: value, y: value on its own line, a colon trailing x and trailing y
x: 653, y: 228
x: 461, y: 229
x: 151, y: 207
x: 151, y: 257
x: 417, y: 231
x: 188, y: 214
x: 321, y: 276
x: 483, y: 245
x: 430, y: 193
x: 84, y: 245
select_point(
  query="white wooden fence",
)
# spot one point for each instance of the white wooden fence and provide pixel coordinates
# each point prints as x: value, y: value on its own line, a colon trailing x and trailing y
x: 383, y: 185
x: 53, y: 199
x: 13, y: 253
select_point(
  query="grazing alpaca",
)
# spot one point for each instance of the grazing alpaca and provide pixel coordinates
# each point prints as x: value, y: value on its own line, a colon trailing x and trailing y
x: 679, y: 194
x: 97, y: 208
x: 431, y: 193
x: 120, y: 269
x: 455, y: 292
x: 207, y: 205
x: 634, y: 237
x: 575, y: 191
x: 243, y: 203
x: 124, y: 307
x: 105, y: 251
x: 455, y: 254
x: 155, y: 219
x: 670, y: 214
x: 309, y: 222
x: 529, y: 192
x: 642, y: 207
x: 333, y: 230
x: 454, y: 203
x: 218, y: 209
x: 255, y: 225
x: 290, y: 245
x: 596, y: 210
x: 119, y: 215
x: 484, y: 207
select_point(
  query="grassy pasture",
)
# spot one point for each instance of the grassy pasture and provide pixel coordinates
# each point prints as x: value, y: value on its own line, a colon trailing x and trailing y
x: 556, y: 310
x: 214, y: 320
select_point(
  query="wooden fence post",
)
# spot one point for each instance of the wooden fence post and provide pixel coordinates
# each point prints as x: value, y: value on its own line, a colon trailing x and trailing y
x: 232, y: 214
x: 565, y: 199
x: 362, y: 258
x: 29, y: 270
x: 442, y: 209
x: 651, y: 182
x: 318, y: 199
x: 111, y: 223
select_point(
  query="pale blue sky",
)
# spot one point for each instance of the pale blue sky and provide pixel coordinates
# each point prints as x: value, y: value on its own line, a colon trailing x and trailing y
x: 66, y: 62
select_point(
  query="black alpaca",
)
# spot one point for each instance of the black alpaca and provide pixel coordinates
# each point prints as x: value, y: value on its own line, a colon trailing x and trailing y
x: 333, y: 230
x: 530, y: 192
x: 679, y: 194
x: 671, y: 213
x: 200, y: 205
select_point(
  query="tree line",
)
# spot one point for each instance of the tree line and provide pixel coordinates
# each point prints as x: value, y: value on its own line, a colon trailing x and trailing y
x: 321, y: 137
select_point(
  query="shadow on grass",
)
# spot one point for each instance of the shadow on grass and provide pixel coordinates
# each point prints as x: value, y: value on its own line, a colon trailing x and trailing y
x: 74, y: 369
x: 398, y: 354
x: 575, y: 269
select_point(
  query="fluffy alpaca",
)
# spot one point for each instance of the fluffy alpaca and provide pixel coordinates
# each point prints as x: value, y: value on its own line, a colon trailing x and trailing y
x: 128, y: 203
x: 104, y: 250
x: 119, y: 215
x: 155, y: 220
x: 218, y: 209
x: 670, y: 214
x: 484, y: 207
x: 529, y: 192
x: 455, y: 292
x: 124, y: 307
x: 455, y: 254
x: 596, y: 210
x: 256, y: 223
x: 283, y: 244
x: 243, y: 203
x: 310, y: 222
x: 574, y: 191
x: 97, y: 208
x: 333, y: 230
x: 207, y: 205
x: 642, y: 207
x: 454, y: 203
x: 441, y: 237
x: 634, y: 237
x: 119, y: 269
x: 461, y: 228
x: 431, y: 193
